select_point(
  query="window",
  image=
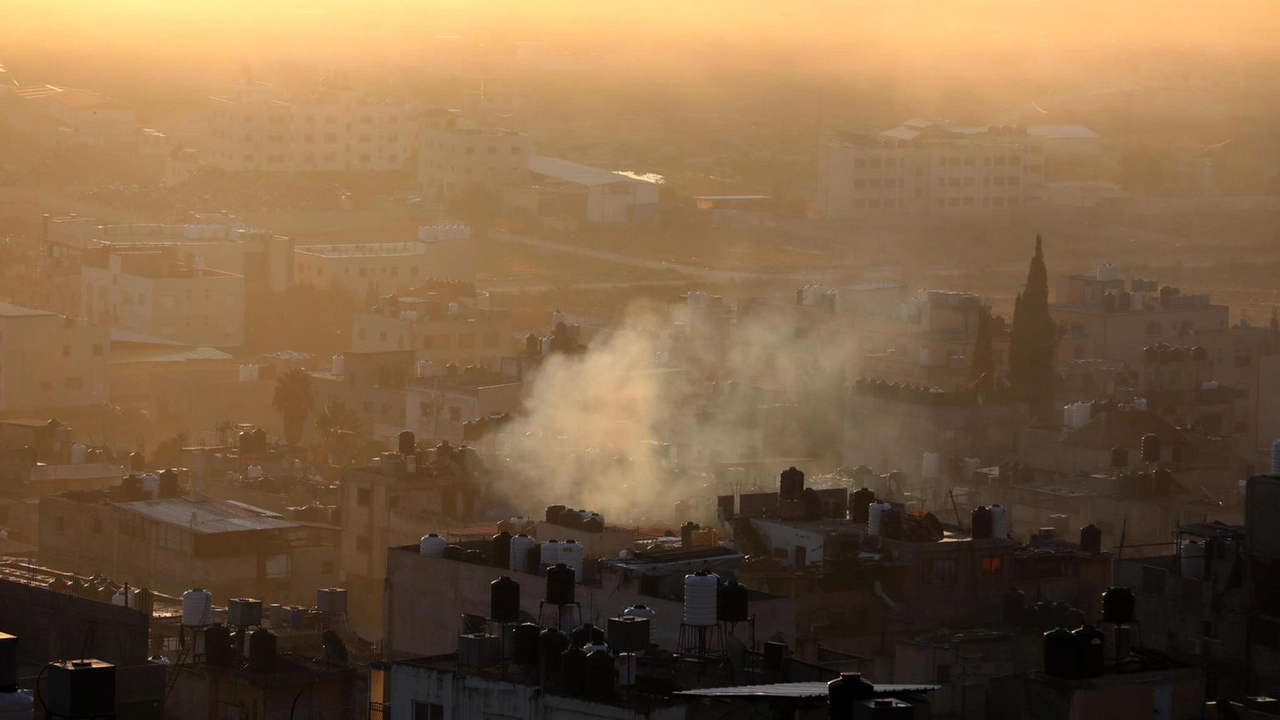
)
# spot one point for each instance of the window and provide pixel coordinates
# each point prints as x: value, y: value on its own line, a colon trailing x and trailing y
x: 859, y: 184
x: 969, y: 181
x: 992, y: 564
x: 428, y: 711
x: 363, y: 497
x: 875, y: 184
x: 941, y: 572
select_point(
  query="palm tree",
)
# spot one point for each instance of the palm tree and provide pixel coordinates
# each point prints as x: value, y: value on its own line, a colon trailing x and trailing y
x: 294, y: 401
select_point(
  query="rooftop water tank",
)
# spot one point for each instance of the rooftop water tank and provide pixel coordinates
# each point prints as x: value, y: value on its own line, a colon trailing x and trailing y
x: 1118, y: 605
x: 846, y: 690
x: 628, y: 668
x: 640, y: 611
x: 262, y: 651
x: 338, y: 365
x: 524, y: 644
x: 571, y: 554
x: 573, y: 669
x: 1091, y: 539
x: 504, y: 600
x: 197, y: 603
x: 999, y: 522
x: 628, y: 634
x: 586, y: 634
x: 732, y: 603
x: 686, y: 533
x: 78, y: 453
x: 1119, y: 457
x: 217, y: 645
x: 599, y: 673
x: 551, y: 643
x: 790, y: 483
x: 500, y: 550
x: 553, y: 514
x: 560, y: 585
x: 1151, y: 448
x: 407, y: 443
x: 1091, y: 654
x: 700, y: 599
x: 432, y: 545
x: 862, y: 499
x: 1061, y: 654
x: 518, y: 559
x: 875, y: 517
x: 549, y: 554
x: 1012, y: 606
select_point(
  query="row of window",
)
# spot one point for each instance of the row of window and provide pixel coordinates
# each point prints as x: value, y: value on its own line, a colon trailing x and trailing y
x: 954, y: 161
x: 998, y: 181
x: 470, y: 149
x: 305, y: 119
x: 966, y: 201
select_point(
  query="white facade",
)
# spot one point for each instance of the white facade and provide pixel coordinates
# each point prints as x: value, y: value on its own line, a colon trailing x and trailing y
x: 252, y: 129
x: 926, y: 167
x: 612, y: 197
x: 152, y: 292
x: 455, y: 153
x: 381, y: 268
x: 50, y: 362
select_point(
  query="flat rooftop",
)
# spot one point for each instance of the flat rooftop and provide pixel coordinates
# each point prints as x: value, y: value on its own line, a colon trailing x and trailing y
x: 11, y: 310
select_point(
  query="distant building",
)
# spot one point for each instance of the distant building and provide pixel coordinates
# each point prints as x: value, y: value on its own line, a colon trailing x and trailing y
x: 67, y: 117
x: 593, y: 195
x: 444, y: 252
x: 1150, y: 686
x: 441, y: 406
x: 455, y: 154
x: 170, y: 542
x: 446, y: 323
x: 931, y: 167
x: 49, y: 362
x: 155, y: 291
x: 254, y: 129
x: 931, y: 342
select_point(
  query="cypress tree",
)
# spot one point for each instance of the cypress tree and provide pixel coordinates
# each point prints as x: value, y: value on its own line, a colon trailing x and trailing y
x: 982, y: 370
x: 1032, y: 339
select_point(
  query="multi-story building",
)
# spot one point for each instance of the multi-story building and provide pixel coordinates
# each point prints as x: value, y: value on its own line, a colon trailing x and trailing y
x: 158, y: 292
x: 929, y: 167
x: 50, y: 362
x: 67, y: 116
x: 335, y: 129
x: 1103, y: 320
x: 169, y: 542
x: 455, y: 153
x: 448, y: 323
x: 443, y: 252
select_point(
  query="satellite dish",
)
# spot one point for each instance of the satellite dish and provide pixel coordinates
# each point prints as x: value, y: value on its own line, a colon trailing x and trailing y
x: 335, y: 651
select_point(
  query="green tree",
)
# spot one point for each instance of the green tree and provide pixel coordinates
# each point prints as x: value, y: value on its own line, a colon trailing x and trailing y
x: 294, y: 401
x: 982, y: 370
x: 1032, y: 340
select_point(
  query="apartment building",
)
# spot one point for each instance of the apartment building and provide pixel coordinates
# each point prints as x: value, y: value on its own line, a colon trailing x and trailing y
x: 444, y: 252
x: 454, y: 326
x: 455, y: 153
x: 156, y: 291
x: 50, y: 362
x: 931, y: 167
x: 254, y: 129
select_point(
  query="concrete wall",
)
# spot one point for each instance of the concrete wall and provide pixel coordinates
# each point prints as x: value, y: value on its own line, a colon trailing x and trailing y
x: 46, y: 364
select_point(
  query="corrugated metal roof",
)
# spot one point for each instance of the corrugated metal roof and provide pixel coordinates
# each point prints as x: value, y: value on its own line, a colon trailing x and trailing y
x: 579, y: 174
x: 797, y: 690
x: 206, y: 515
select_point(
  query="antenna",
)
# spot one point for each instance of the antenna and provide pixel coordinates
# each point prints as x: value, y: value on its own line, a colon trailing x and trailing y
x: 335, y: 651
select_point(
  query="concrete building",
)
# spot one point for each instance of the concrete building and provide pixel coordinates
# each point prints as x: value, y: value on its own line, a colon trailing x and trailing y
x: 442, y: 323
x: 374, y: 269
x: 156, y: 291
x: 594, y: 195
x: 931, y: 342
x: 373, y: 385
x: 930, y: 167
x: 455, y: 154
x: 1148, y: 687
x: 174, y: 542
x: 441, y: 406
x: 295, y: 684
x: 1102, y: 319
x: 49, y: 362
x: 66, y: 117
x: 336, y: 129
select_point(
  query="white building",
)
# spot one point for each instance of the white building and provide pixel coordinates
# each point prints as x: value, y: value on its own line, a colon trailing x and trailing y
x: 253, y: 129
x: 926, y: 166
x: 611, y: 197
x: 152, y: 290
x: 50, y: 362
x: 455, y: 153
x: 445, y: 252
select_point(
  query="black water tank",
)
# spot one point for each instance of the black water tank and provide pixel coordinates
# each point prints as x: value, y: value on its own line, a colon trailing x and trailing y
x: 593, y: 525
x: 560, y: 586
x: 551, y: 643
x: 774, y: 653
x: 586, y: 634
x: 533, y: 560
x: 1061, y: 653
x: 532, y: 345
x: 1091, y: 539
x: 686, y: 534
x: 891, y: 524
x: 812, y: 504
x: 259, y: 439
x: 408, y: 443
x: 137, y: 462
x: 731, y: 603
x: 453, y: 552
x: 474, y: 557
x: 500, y: 552
x: 217, y: 645
x: 862, y: 500
x: 599, y: 674
x: 844, y: 691
x: 1118, y: 605
x: 553, y: 514
x: 168, y: 484
x: 524, y: 644
x: 262, y: 651
x: 1013, y: 605
x: 245, y: 441
x: 570, y: 518
x: 573, y: 670
x: 791, y: 484
x: 504, y: 600
x: 1119, y: 457
x: 627, y: 634
x: 982, y: 523
x: 1091, y: 651
x: 1151, y: 448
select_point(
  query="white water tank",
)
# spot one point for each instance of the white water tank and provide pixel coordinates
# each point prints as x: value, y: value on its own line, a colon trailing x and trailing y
x: 519, y: 524
x: 931, y: 467
x: 548, y: 554
x: 545, y: 345
x: 1193, y: 559
x: 571, y: 554
x: 17, y: 705
x: 78, y: 453
x: 1084, y: 413
x: 453, y: 308
x: 1140, y: 404
x: 874, y: 513
x: 640, y: 611
x: 999, y: 522
x: 1108, y: 272
x: 557, y: 317
x: 700, y: 591
x: 518, y: 560
x: 1068, y: 417
x: 432, y: 545
x: 339, y: 365
x: 411, y: 464
x: 126, y: 597
x: 151, y: 484
x: 197, y: 603
x: 255, y: 471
